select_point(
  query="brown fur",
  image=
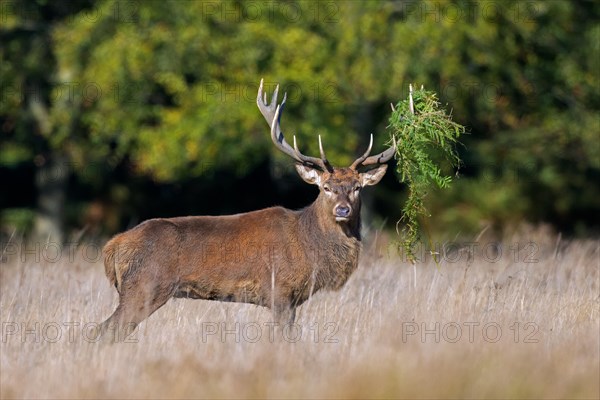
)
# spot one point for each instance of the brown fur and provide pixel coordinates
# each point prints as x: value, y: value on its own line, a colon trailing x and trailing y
x: 273, y: 257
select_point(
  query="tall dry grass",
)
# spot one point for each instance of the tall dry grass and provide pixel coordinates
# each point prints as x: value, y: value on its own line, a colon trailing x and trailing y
x: 481, y: 324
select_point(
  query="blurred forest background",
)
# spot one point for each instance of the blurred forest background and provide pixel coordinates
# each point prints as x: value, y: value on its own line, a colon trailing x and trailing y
x: 112, y: 112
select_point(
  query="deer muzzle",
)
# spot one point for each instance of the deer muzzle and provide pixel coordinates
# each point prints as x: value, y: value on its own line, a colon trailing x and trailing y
x: 342, y: 212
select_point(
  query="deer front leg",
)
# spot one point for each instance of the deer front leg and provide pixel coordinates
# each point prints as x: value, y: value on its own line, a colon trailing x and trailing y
x: 284, y: 314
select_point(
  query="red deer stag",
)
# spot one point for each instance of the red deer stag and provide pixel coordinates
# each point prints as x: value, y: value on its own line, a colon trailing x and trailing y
x: 274, y: 257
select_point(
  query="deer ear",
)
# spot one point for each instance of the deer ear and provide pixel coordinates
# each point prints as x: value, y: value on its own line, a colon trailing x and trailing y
x: 310, y: 175
x: 373, y: 176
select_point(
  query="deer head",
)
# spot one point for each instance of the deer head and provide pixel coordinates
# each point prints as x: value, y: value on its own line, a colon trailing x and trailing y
x: 339, y: 187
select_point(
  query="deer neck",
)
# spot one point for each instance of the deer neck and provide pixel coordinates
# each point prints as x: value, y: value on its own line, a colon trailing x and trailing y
x: 336, y: 245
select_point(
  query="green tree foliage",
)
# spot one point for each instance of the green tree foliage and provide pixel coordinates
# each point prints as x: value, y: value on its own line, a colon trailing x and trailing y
x: 523, y: 77
x: 183, y: 106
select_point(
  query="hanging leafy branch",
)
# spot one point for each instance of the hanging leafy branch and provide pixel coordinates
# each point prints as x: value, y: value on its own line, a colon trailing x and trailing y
x: 421, y: 129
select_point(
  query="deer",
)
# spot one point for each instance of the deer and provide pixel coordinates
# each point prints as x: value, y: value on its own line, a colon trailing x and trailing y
x: 275, y: 257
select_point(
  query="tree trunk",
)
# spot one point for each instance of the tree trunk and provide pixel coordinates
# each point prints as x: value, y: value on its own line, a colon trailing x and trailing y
x: 363, y: 124
x: 51, y: 184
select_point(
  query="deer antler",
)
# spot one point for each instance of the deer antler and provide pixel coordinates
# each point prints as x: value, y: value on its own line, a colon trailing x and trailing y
x: 380, y: 158
x: 272, y: 113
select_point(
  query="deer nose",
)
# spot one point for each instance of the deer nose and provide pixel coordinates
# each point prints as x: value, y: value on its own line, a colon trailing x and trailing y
x: 342, y: 211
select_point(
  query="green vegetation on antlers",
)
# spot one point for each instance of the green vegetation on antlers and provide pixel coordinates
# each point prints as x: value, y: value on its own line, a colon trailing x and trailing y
x: 423, y: 132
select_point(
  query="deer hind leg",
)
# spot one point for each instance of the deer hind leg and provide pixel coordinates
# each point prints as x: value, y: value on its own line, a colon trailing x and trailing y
x: 136, y: 303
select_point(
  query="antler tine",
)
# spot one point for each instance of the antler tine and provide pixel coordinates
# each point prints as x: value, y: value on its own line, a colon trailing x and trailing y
x: 275, y: 94
x: 362, y: 158
x: 321, y: 149
x: 260, y: 90
x: 323, y: 157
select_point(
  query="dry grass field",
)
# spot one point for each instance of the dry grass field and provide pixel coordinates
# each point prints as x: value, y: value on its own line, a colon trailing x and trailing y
x: 488, y: 321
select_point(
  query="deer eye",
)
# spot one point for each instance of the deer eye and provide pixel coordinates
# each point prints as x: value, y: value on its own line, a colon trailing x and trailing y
x: 357, y: 189
x: 327, y: 189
